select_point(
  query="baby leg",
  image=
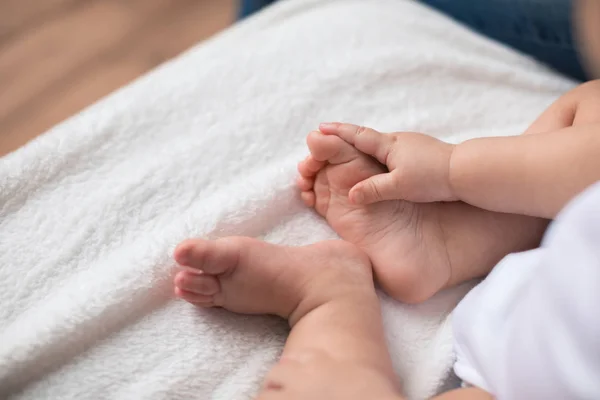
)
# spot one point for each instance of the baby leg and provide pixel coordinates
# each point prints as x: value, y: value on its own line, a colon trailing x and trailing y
x: 325, y: 291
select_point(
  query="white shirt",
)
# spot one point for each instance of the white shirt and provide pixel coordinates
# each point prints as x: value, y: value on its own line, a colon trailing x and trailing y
x: 531, y: 329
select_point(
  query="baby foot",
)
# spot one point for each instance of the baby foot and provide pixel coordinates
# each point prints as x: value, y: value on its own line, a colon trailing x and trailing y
x: 248, y: 276
x: 405, y: 241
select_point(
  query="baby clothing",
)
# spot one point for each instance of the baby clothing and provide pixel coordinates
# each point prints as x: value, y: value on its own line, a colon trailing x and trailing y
x: 531, y: 329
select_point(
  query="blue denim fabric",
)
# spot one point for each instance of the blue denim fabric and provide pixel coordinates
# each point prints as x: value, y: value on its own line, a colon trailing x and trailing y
x: 540, y: 28
x: 248, y: 7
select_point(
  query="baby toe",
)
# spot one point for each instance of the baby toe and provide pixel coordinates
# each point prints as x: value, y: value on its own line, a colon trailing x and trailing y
x: 202, y: 284
x: 309, y: 167
x: 185, y: 252
x: 304, y: 184
x: 330, y: 148
x: 194, y: 298
x: 308, y: 198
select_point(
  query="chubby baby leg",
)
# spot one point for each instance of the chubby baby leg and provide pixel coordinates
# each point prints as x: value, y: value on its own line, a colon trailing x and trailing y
x: 325, y: 291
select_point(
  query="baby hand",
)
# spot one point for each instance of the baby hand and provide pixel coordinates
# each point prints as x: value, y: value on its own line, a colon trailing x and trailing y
x: 419, y: 165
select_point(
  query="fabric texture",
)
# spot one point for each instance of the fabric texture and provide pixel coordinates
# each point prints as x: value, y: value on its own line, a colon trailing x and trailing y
x: 531, y: 330
x: 206, y: 146
x: 542, y: 29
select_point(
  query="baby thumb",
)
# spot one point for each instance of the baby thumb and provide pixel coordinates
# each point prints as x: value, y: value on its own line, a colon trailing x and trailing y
x: 371, y: 190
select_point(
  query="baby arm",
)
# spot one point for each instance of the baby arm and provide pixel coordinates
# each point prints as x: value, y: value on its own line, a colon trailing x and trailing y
x: 532, y: 174
x: 556, y: 158
x: 529, y: 174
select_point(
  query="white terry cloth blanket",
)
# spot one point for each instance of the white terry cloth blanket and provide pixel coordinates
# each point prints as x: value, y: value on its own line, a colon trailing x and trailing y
x: 206, y: 146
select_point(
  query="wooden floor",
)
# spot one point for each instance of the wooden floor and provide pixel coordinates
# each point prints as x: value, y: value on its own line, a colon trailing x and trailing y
x: 59, y: 56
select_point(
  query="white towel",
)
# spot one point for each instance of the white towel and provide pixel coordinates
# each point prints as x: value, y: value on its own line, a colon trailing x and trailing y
x: 206, y: 146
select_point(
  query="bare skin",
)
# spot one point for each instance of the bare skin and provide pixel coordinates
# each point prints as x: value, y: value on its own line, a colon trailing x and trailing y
x: 404, y: 232
x: 473, y: 237
x: 325, y: 291
x: 536, y: 174
x: 528, y: 174
x: 416, y: 249
x: 336, y: 348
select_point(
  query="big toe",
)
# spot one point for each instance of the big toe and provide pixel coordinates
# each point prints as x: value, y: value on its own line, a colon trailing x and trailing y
x: 198, y: 289
x: 202, y: 284
x: 211, y: 257
x: 330, y: 148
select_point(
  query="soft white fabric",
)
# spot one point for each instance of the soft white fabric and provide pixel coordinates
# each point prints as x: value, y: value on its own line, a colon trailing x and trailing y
x: 531, y: 329
x: 207, y: 146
